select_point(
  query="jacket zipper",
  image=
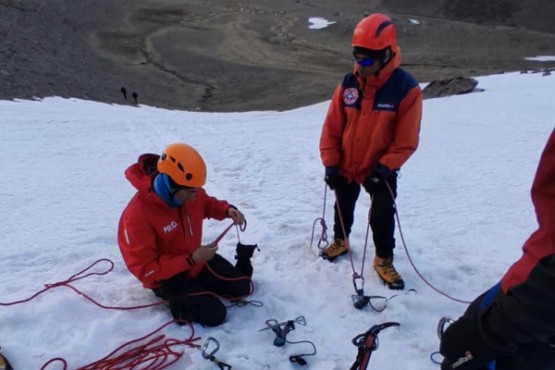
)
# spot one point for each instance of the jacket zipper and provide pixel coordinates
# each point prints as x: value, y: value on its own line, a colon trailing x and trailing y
x: 188, y: 222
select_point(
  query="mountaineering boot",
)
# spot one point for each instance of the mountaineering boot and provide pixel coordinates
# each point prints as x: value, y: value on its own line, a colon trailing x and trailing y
x: 385, y: 269
x: 243, y: 256
x: 336, y: 249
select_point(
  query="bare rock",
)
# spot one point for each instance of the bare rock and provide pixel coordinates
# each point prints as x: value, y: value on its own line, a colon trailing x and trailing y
x: 448, y: 87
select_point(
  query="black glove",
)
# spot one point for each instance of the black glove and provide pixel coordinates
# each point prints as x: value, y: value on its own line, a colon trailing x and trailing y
x: 333, y: 178
x: 243, y: 256
x: 373, y: 182
x: 463, y: 347
x: 175, y: 291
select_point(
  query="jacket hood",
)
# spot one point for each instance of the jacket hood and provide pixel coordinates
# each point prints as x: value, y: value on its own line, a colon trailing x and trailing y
x: 140, y: 174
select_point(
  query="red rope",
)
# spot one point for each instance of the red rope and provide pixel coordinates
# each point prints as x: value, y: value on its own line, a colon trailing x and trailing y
x: 78, y: 276
x: 155, y: 354
x: 366, y: 238
x: 81, y: 275
x: 151, y: 355
x: 410, y: 258
x: 207, y: 292
x: 346, y: 237
x: 215, y: 242
x: 323, y: 242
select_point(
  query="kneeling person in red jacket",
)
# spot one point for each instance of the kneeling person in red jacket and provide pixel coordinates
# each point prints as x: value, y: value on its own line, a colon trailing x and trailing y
x: 160, y: 233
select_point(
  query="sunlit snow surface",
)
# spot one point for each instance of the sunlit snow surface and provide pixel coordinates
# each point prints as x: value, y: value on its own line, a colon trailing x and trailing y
x: 463, y: 204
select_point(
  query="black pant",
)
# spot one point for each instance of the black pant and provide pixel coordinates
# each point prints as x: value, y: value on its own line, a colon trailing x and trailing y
x: 534, y: 355
x: 382, y: 216
x: 205, y: 308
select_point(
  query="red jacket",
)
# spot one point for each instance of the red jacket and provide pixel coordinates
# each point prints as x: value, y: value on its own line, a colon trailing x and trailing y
x: 542, y: 242
x: 525, y: 310
x: 156, y: 240
x: 372, y: 120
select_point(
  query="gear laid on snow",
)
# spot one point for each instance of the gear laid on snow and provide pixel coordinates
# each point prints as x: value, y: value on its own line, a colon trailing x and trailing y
x: 282, y: 329
x: 377, y: 302
x: 368, y: 343
x: 214, y: 346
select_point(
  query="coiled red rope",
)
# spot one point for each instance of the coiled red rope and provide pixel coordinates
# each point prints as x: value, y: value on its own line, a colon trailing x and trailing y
x: 155, y: 354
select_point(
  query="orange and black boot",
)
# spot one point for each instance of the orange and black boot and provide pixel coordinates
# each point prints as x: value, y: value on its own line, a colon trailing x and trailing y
x: 336, y: 249
x: 385, y: 269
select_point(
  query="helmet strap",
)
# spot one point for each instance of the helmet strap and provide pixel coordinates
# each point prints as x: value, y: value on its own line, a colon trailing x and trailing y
x: 387, y: 56
x: 164, y: 190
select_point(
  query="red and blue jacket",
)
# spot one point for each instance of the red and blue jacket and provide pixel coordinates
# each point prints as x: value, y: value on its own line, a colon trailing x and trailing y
x: 372, y: 120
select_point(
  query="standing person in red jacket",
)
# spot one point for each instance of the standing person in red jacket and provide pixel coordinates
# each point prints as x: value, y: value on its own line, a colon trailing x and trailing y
x: 371, y: 129
x: 512, y: 325
x: 160, y: 233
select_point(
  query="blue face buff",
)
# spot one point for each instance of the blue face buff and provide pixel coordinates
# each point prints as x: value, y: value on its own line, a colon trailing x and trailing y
x: 164, y: 190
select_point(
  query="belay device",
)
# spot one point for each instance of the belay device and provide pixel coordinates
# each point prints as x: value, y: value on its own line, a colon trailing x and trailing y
x: 281, y: 329
x: 368, y: 343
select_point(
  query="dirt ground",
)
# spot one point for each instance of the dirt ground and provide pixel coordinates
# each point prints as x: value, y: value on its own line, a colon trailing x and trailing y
x: 229, y: 55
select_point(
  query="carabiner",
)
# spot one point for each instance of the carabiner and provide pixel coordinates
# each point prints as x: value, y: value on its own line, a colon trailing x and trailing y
x: 441, y: 325
x: 359, y: 291
x: 210, y: 355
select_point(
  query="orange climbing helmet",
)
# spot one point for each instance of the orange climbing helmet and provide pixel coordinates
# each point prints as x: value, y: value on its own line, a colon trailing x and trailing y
x: 184, y: 165
x: 375, y: 32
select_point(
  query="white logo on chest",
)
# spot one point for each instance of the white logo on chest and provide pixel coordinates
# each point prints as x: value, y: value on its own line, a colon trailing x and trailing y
x: 170, y: 227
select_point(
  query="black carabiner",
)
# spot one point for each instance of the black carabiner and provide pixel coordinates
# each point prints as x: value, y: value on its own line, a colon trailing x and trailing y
x: 210, y: 355
x: 441, y: 325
